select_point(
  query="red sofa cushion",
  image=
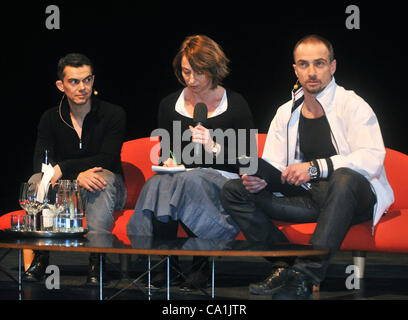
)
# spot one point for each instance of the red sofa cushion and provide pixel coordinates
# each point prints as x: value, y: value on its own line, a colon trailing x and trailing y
x: 390, y: 234
x: 137, y: 159
x: 396, y: 164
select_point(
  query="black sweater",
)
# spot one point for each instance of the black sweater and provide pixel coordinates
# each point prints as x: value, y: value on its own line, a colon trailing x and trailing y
x: 102, y: 137
x: 237, y: 116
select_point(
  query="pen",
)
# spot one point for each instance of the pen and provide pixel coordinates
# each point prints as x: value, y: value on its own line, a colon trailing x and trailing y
x: 172, y: 156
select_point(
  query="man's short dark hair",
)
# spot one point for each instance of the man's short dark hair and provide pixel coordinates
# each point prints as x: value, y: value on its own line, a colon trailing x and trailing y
x: 315, y: 38
x: 75, y: 60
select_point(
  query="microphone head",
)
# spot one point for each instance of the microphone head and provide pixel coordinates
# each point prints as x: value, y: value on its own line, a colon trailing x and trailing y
x: 200, y: 113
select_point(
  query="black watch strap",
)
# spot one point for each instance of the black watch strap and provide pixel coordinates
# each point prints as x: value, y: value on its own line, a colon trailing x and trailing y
x: 313, y: 170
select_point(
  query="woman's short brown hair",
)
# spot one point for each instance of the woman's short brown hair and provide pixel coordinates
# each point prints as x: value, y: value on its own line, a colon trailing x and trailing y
x: 204, y: 55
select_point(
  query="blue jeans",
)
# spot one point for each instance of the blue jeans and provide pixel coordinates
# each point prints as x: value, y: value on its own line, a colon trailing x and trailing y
x: 99, y: 206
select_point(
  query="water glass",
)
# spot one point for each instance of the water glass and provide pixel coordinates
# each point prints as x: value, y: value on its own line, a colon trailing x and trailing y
x: 30, y: 223
x: 18, y: 223
x: 71, y: 214
x: 68, y: 223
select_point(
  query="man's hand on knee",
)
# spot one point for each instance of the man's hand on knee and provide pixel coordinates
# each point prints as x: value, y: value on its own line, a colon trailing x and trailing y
x: 91, y: 180
x: 253, y: 184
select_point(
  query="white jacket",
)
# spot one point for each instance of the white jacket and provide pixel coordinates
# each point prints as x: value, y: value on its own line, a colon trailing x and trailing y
x: 355, y: 134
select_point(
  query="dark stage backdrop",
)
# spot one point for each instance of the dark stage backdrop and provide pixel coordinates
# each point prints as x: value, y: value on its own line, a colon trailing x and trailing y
x: 133, y: 43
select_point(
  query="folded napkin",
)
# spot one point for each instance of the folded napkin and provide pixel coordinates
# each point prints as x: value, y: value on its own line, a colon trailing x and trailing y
x: 48, y: 172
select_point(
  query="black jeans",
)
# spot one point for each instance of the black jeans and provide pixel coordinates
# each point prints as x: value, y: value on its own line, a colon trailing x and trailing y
x: 343, y: 200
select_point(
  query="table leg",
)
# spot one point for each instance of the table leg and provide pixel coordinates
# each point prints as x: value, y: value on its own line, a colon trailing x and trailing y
x: 19, y: 274
x: 100, y: 277
x: 212, y: 278
x: 148, y: 277
x: 168, y: 277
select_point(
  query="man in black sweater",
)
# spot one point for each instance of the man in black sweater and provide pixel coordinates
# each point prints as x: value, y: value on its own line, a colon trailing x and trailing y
x: 83, y: 137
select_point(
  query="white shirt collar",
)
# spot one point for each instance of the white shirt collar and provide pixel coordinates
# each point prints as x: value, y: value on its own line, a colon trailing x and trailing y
x: 327, y: 95
x: 222, y: 107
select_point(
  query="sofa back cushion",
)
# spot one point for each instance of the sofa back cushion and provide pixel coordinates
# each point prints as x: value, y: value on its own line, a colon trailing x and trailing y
x: 396, y: 168
x: 138, y: 156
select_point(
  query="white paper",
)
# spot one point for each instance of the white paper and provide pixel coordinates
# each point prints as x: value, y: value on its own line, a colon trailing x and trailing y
x: 48, y: 172
x: 161, y: 169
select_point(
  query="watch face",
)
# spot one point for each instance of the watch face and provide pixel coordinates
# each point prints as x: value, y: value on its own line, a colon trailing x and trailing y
x: 313, y: 172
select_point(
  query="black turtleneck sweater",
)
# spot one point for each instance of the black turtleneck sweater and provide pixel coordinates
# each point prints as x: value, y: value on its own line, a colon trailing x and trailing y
x: 103, y: 132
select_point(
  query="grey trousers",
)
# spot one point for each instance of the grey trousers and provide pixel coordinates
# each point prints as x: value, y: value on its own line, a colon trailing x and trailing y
x: 339, y: 202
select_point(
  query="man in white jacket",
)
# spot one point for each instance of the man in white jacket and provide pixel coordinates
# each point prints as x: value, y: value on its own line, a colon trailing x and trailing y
x: 327, y: 143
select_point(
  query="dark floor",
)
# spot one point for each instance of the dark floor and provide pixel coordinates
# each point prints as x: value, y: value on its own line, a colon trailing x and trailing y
x: 386, y: 278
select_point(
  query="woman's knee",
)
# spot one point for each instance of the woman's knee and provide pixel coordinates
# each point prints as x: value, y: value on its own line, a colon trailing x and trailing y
x: 191, y: 177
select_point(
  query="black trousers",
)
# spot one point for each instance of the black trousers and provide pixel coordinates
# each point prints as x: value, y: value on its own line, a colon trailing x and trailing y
x: 343, y: 200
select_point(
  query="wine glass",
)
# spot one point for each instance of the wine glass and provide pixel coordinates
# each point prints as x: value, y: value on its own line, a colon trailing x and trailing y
x: 32, y: 205
x: 22, y: 198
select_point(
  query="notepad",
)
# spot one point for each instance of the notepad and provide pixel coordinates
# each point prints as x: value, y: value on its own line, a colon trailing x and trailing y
x: 272, y: 176
x: 161, y: 169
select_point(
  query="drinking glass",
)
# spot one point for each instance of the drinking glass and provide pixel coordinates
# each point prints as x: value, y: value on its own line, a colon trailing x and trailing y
x: 22, y: 197
x: 23, y: 201
x: 78, y: 205
x: 28, y: 201
x: 52, y: 208
x: 17, y: 222
x: 70, y: 217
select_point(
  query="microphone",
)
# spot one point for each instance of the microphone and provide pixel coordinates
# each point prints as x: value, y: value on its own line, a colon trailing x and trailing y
x: 199, y: 118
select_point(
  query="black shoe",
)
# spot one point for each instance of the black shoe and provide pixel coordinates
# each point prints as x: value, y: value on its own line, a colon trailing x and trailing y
x: 36, y: 271
x: 159, y: 280
x: 270, y: 285
x: 195, y: 281
x: 93, y: 270
x: 298, y: 287
x: 199, y: 276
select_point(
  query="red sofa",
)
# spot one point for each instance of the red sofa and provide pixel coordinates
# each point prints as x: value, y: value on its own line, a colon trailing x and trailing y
x: 390, y: 233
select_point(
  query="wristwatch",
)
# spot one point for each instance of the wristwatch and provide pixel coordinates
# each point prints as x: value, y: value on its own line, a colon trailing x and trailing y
x: 313, y: 171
